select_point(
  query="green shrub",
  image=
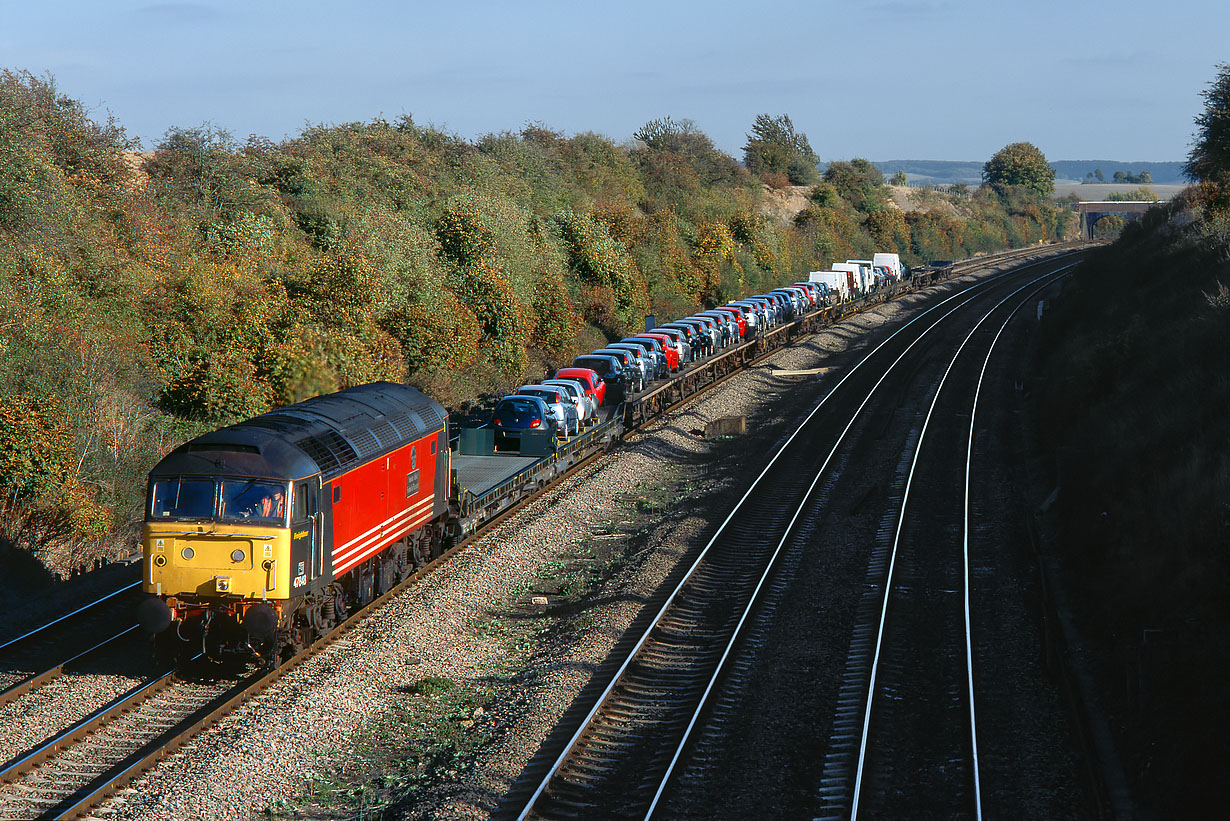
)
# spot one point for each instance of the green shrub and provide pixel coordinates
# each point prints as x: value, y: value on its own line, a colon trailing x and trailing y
x: 432, y: 685
x: 36, y: 445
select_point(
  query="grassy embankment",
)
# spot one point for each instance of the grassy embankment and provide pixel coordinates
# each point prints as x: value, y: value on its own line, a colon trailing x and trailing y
x: 1135, y: 413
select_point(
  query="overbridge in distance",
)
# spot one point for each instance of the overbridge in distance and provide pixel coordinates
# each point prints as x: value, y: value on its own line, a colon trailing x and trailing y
x: 1091, y: 212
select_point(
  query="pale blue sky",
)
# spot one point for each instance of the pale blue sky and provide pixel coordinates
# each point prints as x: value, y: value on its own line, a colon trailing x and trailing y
x: 883, y: 79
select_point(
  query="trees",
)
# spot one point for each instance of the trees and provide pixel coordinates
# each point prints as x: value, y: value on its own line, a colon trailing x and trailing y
x: 1135, y: 195
x: 684, y: 139
x: 858, y: 182
x: 1209, y: 160
x: 1019, y: 164
x: 774, y: 147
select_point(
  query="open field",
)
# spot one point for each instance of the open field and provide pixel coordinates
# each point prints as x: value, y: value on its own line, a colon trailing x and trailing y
x: 1094, y: 192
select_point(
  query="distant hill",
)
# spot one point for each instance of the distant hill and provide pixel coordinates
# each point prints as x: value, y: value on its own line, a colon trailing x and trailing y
x: 934, y: 172
x: 1163, y: 173
x: 947, y: 172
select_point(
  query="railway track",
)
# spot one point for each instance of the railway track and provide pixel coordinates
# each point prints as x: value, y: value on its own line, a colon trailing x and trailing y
x: 38, y: 657
x: 919, y: 738
x: 64, y: 630
x: 203, y: 709
x: 800, y: 731
x: 621, y: 759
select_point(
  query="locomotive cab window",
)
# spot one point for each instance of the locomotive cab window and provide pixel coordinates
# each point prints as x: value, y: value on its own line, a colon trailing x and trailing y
x: 253, y: 500
x: 182, y: 498
x: 304, y: 502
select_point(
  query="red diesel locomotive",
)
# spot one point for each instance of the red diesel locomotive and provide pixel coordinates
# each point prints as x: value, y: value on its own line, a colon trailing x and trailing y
x: 261, y: 536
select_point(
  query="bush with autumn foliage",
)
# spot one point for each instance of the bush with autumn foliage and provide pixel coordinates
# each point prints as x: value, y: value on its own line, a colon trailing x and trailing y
x: 150, y: 297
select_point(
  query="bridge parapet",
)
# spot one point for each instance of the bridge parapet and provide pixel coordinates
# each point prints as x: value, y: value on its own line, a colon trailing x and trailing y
x: 1091, y: 212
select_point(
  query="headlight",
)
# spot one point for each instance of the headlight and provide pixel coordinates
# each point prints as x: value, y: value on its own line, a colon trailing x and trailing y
x: 188, y: 553
x: 237, y: 556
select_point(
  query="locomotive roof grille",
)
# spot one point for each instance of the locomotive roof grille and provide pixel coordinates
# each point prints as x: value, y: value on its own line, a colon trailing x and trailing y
x: 365, y: 443
x: 330, y: 451
x: 328, y: 435
x: 402, y: 424
x: 385, y: 433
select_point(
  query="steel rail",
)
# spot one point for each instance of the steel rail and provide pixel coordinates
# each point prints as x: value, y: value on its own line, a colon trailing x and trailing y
x: 19, y: 689
x: 24, y: 763
x: 619, y: 674
x: 54, y: 622
x: 700, y: 707
x: 965, y: 533
x: 1050, y: 276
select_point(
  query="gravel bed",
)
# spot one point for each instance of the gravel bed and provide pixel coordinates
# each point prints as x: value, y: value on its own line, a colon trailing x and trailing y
x: 265, y: 752
x: 40, y: 714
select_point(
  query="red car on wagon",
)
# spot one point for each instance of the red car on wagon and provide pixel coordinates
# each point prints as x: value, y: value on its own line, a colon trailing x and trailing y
x: 738, y: 316
x: 668, y: 348
x: 594, y: 386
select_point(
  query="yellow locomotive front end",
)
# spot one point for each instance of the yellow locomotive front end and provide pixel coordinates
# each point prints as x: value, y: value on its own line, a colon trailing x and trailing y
x: 216, y: 563
x: 241, y: 550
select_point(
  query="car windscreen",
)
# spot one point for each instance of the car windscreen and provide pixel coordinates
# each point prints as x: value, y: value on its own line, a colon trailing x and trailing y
x: 602, y: 367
